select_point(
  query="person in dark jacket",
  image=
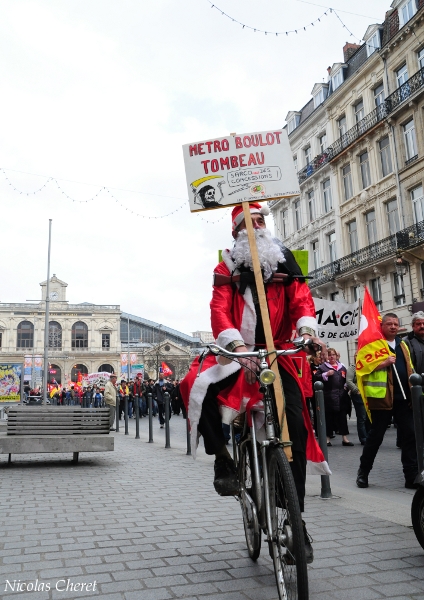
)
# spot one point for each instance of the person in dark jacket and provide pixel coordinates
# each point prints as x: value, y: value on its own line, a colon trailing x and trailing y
x: 336, y: 398
x: 160, y: 387
x: 415, y: 341
x: 175, y: 398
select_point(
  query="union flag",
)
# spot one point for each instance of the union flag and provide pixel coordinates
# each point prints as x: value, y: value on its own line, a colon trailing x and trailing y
x: 373, y: 349
x: 166, y: 370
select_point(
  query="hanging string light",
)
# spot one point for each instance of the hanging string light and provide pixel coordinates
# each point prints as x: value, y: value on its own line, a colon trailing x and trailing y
x: 106, y: 190
x: 277, y: 33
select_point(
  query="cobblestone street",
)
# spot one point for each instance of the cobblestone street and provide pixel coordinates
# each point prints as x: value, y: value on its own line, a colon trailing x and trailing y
x: 144, y: 523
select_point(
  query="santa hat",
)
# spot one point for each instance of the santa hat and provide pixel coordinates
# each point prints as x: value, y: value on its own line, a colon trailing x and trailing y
x: 237, y: 215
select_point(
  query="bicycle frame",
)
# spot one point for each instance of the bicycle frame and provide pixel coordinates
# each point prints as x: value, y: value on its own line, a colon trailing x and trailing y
x: 262, y: 491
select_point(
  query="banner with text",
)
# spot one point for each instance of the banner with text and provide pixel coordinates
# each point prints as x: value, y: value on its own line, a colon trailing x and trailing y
x: 10, y: 382
x: 237, y: 168
x: 337, y: 321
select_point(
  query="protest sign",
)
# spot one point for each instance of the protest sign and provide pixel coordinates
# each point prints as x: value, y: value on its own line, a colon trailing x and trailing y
x: 99, y: 379
x: 10, y: 382
x: 137, y: 370
x: 239, y: 168
x: 337, y: 321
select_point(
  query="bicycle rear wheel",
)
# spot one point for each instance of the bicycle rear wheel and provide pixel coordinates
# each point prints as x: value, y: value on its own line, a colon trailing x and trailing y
x: 252, y: 529
x: 287, y: 548
x: 417, y: 514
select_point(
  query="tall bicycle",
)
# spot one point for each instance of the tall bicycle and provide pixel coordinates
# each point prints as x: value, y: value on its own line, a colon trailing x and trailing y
x: 267, y: 492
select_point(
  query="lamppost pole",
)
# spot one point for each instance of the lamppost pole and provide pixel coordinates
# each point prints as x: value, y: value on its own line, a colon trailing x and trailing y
x: 129, y: 362
x: 46, y: 323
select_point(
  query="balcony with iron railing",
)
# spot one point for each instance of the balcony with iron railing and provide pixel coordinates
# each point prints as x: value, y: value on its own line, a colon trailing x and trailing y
x: 404, y: 92
x: 405, y: 239
x: 346, y: 140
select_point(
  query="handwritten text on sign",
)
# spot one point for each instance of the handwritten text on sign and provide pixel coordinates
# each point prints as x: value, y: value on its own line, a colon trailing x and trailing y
x: 239, y: 168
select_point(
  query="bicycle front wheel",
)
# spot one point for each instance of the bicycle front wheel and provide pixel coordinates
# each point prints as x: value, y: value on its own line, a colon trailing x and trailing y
x: 417, y: 515
x: 287, y: 548
x: 252, y: 529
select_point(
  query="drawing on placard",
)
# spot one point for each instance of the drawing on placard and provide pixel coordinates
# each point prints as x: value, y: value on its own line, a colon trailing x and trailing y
x: 205, y: 193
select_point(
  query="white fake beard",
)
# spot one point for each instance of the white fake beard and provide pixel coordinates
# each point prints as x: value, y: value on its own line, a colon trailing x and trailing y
x: 269, y: 252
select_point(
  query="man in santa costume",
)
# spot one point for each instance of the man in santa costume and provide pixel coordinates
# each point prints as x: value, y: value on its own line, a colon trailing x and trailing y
x: 219, y: 392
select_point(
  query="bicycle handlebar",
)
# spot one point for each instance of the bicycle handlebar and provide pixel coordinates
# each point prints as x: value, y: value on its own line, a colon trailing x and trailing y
x: 300, y: 344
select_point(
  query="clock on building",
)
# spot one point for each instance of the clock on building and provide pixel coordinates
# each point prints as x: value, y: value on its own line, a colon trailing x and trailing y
x: 53, y: 296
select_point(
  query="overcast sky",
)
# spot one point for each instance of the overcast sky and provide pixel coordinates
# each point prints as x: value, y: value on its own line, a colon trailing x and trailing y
x: 101, y: 93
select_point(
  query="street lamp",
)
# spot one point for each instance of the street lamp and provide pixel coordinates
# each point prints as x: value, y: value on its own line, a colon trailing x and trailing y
x: 401, y: 266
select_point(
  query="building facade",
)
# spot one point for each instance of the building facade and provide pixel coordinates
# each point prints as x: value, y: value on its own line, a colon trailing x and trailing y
x: 85, y: 338
x: 358, y: 147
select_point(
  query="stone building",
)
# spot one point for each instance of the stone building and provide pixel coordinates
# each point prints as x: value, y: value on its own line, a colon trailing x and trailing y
x: 84, y: 338
x: 358, y: 147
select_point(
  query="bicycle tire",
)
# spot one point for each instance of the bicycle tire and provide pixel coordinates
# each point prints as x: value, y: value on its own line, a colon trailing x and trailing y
x: 252, y: 530
x: 417, y: 515
x: 287, y: 547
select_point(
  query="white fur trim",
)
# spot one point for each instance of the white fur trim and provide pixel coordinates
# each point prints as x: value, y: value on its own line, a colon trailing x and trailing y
x: 198, y: 393
x: 227, y: 336
x: 307, y: 322
x: 253, y: 210
x: 265, y: 210
x: 228, y: 414
x: 226, y: 257
x: 248, y: 321
x: 321, y: 468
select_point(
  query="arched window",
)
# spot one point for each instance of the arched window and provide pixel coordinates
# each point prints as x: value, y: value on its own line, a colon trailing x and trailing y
x: 79, y: 335
x: 76, y: 369
x: 55, y: 335
x: 55, y: 374
x: 25, y: 335
x: 106, y: 369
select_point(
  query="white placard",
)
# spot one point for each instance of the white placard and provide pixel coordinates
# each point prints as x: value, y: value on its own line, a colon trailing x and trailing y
x: 337, y: 321
x: 249, y: 167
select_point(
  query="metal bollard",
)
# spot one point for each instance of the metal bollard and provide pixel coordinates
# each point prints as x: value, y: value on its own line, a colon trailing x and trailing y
x: 188, y: 438
x: 126, y: 414
x: 137, y: 417
x: 150, y: 403
x: 322, y: 437
x: 167, y: 407
x: 417, y: 400
x: 117, y: 413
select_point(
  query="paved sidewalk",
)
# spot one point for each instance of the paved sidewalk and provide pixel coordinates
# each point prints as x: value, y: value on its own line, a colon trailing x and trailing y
x: 144, y: 523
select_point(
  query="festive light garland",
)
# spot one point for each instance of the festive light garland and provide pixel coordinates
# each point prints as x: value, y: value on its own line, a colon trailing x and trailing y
x: 277, y: 33
x: 303, y: 28
x: 110, y: 194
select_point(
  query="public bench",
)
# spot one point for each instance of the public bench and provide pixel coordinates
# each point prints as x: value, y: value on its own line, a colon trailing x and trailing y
x: 33, y: 429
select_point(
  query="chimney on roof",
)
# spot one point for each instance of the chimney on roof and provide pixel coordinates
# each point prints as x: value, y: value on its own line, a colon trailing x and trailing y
x: 349, y: 49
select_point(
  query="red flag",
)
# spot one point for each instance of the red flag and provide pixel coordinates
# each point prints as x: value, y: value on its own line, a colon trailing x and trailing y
x: 370, y: 323
x: 373, y: 349
x: 166, y: 370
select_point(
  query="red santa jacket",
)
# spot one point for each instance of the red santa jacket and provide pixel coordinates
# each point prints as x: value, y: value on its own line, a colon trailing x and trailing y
x: 233, y: 317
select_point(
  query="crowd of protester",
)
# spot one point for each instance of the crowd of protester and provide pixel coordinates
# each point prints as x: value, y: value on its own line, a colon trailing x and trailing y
x: 135, y: 390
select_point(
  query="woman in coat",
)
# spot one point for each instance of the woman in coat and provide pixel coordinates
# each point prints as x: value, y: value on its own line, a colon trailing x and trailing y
x: 332, y: 373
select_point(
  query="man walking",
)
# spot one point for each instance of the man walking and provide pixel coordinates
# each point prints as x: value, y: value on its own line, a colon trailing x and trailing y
x: 160, y: 387
x: 388, y: 394
x: 110, y: 399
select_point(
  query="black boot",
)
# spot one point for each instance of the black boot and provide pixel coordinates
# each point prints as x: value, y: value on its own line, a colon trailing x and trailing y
x: 362, y: 478
x: 309, y: 551
x: 225, y: 481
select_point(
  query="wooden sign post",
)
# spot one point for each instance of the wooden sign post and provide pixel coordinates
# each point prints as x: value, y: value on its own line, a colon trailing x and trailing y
x: 269, y: 340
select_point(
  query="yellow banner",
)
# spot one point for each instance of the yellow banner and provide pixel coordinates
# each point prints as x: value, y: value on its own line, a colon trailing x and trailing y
x: 367, y: 360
